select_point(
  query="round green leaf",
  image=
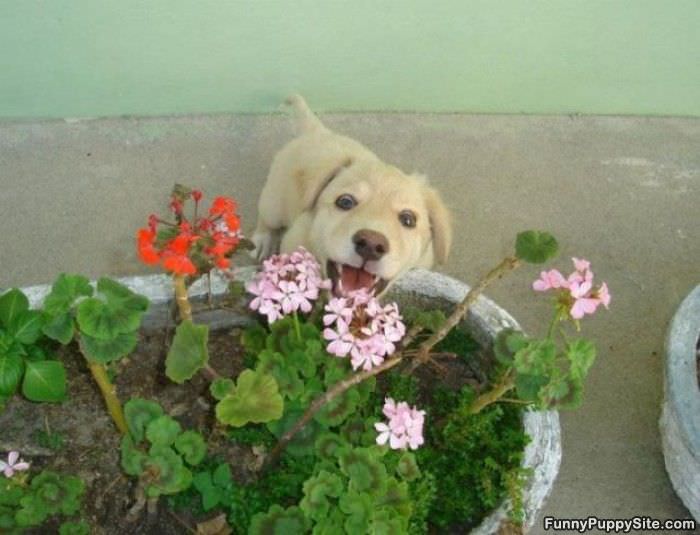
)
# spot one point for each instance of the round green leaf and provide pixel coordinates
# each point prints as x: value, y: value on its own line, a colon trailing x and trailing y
x: 256, y: 399
x: 192, y: 447
x: 163, y: 431
x: 44, y: 380
x: 64, y: 291
x: 139, y: 413
x: 11, y: 370
x: 104, y: 351
x: 12, y: 302
x: 59, y: 328
x: 221, y: 387
x: 535, y: 246
x: 188, y: 352
x: 132, y: 458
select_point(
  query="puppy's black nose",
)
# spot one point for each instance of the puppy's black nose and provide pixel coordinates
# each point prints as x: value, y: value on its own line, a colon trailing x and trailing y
x: 370, y: 245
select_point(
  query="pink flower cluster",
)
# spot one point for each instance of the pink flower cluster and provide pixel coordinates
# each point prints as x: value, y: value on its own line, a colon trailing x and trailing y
x: 13, y: 464
x: 286, y: 284
x: 359, y: 326
x: 578, y: 287
x: 404, y: 428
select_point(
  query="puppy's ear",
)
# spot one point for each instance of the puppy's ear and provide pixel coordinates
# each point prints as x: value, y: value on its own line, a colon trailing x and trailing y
x: 440, y: 224
x: 311, y: 194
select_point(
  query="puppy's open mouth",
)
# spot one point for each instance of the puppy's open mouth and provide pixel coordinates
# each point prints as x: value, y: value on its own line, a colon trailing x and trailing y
x: 346, y: 279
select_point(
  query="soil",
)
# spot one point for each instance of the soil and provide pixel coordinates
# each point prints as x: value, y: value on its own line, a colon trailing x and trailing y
x: 90, y: 441
x: 90, y: 446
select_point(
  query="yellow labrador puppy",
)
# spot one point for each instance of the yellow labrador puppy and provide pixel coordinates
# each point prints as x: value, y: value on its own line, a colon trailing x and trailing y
x: 366, y: 221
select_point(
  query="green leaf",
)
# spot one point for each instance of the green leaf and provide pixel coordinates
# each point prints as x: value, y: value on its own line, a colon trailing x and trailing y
x: 365, y: 470
x: 221, y: 387
x: 163, y: 431
x: 64, y: 291
x: 537, y: 357
x: 303, y: 442
x: 407, y: 467
x: 132, y: 459
x: 256, y: 399
x: 12, y: 302
x: 104, y: 351
x: 535, y: 246
x: 210, y: 494
x: 192, y: 447
x: 222, y: 475
x: 10, y: 346
x: 253, y: 339
x: 44, y: 380
x: 188, y: 352
x: 139, y: 413
x: 278, y: 521
x: 11, y: 370
x: 317, y: 491
x: 33, y: 511
x: 172, y: 476
x: 59, y: 328
x: 26, y: 326
x: 120, y: 311
x: 508, y: 342
x: 528, y: 386
x: 36, y: 353
x: 80, y: 527
x: 581, y: 354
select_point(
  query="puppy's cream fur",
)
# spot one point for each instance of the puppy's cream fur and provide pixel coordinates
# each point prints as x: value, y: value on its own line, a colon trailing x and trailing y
x: 297, y: 203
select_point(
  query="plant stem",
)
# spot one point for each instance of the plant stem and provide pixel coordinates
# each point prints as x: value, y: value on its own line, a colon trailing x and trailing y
x: 109, y: 393
x: 508, y: 264
x: 296, y: 326
x: 210, y: 372
x: 423, y: 356
x: 493, y: 395
x: 181, y: 298
x: 320, y: 401
x: 553, y: 324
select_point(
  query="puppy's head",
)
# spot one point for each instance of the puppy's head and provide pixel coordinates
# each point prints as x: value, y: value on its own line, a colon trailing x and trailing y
x: 371, y: 223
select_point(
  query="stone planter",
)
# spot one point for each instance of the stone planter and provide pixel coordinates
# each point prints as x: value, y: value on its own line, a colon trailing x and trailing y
x: 680, y: 418
x: 420, y: 287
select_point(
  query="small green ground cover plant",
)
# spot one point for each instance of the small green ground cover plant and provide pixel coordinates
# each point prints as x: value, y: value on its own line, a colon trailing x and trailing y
x: 341, y: 404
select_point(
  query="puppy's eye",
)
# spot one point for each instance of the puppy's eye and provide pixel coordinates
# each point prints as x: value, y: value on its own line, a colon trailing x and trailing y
x: 346, y: 202
x: 407, y: 218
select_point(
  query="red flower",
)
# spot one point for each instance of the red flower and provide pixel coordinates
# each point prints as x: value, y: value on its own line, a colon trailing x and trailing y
x: 222, y: 205
x: 148, y: 253
x: 233, y: 222
x: 179, y: 264
x: 196, y: 195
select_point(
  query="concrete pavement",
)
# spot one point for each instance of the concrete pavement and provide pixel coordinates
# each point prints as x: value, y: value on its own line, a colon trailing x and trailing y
x: 622, y: 192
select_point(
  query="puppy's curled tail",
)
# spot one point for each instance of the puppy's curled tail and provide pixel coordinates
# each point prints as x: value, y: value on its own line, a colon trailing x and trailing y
x: 306, y: 119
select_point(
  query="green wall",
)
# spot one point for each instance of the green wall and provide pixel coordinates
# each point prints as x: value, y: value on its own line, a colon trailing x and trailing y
x: 87, y: 58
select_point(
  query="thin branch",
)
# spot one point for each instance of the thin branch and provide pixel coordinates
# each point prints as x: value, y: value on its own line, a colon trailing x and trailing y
x: 322, y: 400
x: 508, y: 264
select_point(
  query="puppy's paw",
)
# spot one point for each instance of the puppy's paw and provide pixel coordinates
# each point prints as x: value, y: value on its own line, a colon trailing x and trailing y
x: 263, y: 242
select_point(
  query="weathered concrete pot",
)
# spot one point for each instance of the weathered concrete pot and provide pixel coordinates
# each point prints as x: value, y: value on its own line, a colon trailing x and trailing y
x: 680, y: 418
x: 419, y: 287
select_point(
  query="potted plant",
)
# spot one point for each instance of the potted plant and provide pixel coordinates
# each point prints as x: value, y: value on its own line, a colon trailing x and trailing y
x: 680, y: 418
x: 324, y: 414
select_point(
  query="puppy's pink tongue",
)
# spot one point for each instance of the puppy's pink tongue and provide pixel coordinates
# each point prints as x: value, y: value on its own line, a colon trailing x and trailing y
x: 356, y: 279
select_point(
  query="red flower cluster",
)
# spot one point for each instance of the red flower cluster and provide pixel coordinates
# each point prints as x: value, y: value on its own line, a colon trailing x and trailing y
x: 188, y: 248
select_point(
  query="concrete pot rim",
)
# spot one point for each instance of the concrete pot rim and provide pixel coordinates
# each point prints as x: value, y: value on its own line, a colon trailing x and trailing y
x: 682, y: 391
x: 485, y: 319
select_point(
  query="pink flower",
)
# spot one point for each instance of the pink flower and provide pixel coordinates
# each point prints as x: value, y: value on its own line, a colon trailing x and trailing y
x: 358, y: 325
x: 13, y: 464
x: 286, y: 284
x: 404, y: 427
x: 576, y: 291
x: 549, y: 280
